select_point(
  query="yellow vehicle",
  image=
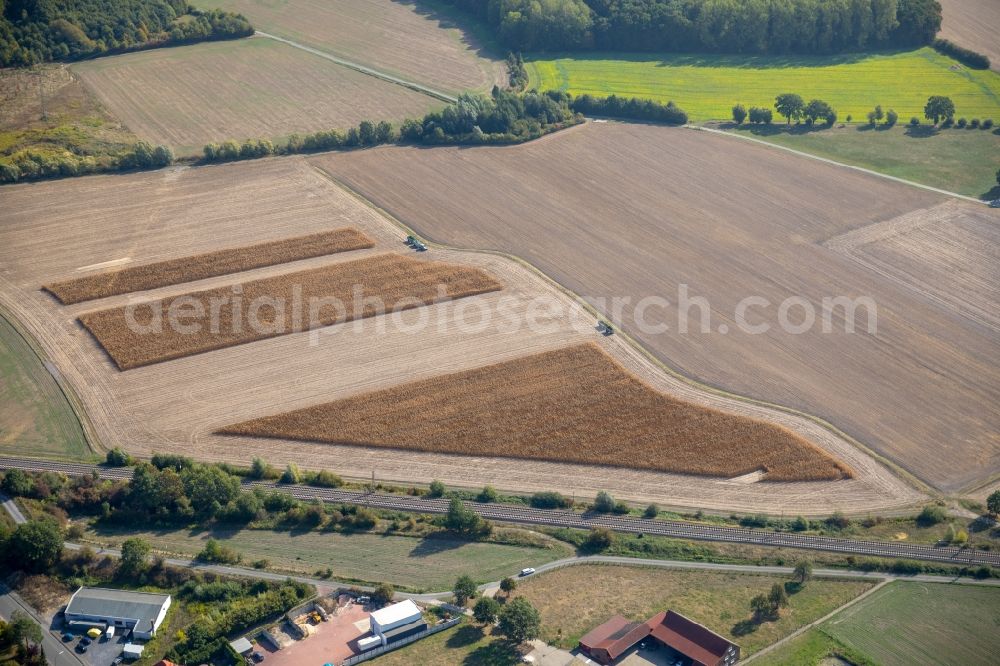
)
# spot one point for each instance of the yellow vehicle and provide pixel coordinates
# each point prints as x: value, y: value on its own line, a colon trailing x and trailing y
x: 94, y: 633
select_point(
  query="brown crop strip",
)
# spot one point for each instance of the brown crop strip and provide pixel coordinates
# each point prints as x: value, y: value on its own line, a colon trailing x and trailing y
x: 228, y: 316
x: 209, y: 264
x: 570, y: 405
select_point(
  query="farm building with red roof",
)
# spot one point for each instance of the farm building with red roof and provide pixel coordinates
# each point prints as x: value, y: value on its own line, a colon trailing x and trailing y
x: 607, y: 643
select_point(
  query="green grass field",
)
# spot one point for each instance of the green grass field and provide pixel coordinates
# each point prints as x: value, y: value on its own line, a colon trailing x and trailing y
x: 35, y: 417
x: 415, y: 563
x: 707, y: 86
x: 914, y: 623
x: 959, y: 160
x: 574, y: 600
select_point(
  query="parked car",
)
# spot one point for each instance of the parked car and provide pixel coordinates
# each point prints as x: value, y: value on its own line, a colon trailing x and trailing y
x: 68, y: 636
x: 527, y: 572
x: 85, y: 641
x: 258, y: 657
x: 81, y: 647
x: 118, y: 661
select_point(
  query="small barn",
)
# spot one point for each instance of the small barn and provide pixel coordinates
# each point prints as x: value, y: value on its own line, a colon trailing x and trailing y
x: 609, y: 641
x: 696, y: 641
x: 396, y: 622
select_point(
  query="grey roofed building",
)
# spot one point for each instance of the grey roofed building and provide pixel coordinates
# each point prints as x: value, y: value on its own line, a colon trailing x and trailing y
x: 139, y: 611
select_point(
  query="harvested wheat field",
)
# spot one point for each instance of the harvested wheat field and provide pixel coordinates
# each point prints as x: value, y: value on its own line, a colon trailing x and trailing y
x: 570, y: 405
x: 187, y: 96
x: 209, y: 264
x: 352, y: 290
x: 974, y: 24
x: 399, y: 37
x: 629, y: 211
x: 48, y: 234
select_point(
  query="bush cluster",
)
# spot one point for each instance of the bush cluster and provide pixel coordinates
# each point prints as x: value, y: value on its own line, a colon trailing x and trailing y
x: 963, y: 55
x: 31, y: 164
x: 632, y: 108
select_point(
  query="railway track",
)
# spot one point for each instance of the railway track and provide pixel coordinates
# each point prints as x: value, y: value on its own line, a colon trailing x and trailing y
x: 561, y: 518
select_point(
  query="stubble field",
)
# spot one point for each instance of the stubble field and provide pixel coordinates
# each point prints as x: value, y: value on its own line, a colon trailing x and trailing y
x: 211, y: 264
x: 569, y: 405
x: 346, y: 291
x: 188, y: 96
x: 614, y: 210
x: 179, y: 405
x: 973, y: 24
x: 404, y: 38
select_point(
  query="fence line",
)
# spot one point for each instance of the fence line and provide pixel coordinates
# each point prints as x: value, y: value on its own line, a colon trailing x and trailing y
x: 375, y: 652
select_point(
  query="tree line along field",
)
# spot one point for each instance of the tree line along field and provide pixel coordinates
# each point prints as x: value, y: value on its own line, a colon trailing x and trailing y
x: 394, y: 282
x: 410, y: 40
x: 905, y: 623
x: 188, y: 96
x: 35, y: 417
x: 569, y: 405
x: 617, y: 210
x: 707, y: 86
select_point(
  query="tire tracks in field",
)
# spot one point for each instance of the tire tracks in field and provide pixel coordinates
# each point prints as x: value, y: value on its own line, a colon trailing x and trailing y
x: 412, y: 85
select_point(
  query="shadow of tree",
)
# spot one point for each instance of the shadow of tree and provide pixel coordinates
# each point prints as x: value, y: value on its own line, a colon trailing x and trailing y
x: 465, y: 635
x: 497, y: 653
x: 432, y: 545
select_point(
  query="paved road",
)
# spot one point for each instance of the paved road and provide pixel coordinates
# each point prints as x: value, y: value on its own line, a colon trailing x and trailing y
x: 57, y: 653
x: 524, y: 515
x: 418, y: 87
x: 13, y: 510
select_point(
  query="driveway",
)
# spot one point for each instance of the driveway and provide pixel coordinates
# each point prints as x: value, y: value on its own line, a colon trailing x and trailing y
x: 58, y: 653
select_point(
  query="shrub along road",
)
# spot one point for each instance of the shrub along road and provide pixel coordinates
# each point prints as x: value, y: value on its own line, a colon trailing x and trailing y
x: 508, y: 513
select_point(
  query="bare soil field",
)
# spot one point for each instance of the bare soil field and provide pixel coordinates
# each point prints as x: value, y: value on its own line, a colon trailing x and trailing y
x: 949, y: 253
x: 209, y: 264
x: 973, y: 24
x: 569, y: 405
x: 405, y: 38
x: 632, y: 211
x: 357, y: 289
x: 188, y: 96
x: 49, y: 232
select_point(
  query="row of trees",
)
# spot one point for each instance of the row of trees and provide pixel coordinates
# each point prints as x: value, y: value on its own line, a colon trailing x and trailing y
x: 722, y: 26
x: 632, y: 108
x: 503, y: 117
x: 963, y: 55
x: 37, y: 165
x: 34, y: 31
x: 792, y: 107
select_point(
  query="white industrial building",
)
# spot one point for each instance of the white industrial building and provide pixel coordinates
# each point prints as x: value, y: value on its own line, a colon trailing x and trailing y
x: 393, y: 623
x: 140, y: 612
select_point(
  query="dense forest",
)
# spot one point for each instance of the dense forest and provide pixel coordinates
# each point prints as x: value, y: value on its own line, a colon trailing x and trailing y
x: 717, y: 26
x: 34, y: 31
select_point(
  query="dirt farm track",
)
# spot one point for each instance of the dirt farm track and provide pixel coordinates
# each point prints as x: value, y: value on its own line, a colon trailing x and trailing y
x: 618, y: 210
x: 50, y: 233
